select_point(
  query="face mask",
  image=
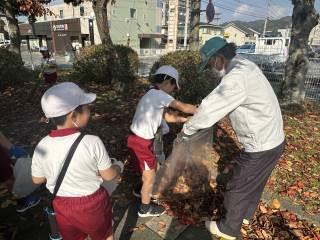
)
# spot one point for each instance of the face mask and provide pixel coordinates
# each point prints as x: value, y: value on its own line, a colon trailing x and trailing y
x: 220, y: 73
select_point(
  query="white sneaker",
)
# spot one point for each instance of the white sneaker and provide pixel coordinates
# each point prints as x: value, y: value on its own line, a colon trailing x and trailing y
x: 213, y: 228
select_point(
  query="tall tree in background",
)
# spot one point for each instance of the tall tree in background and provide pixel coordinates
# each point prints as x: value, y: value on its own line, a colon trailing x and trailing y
x: 100, y: 8
x: 304, y: 19
x: 13, y: 8
x: 195, y: 21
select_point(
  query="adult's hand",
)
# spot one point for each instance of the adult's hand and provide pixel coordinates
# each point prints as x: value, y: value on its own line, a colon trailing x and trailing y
x: 182, y: 137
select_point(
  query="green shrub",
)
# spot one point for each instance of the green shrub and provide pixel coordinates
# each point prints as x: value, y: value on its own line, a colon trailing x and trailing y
x: 103, y: 64
x: 195, y: 85
x: 12, y: 71
x: 127, y: 64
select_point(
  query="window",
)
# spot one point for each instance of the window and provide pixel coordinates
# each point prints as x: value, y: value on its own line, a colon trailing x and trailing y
x: 269, y: 42
x: 144, y: 16
x: 114, y: 12
x: 133, y: 13
x: 287, y: 42
x: 82, y: 11
x: 45, y: 17
x: 61, y: 13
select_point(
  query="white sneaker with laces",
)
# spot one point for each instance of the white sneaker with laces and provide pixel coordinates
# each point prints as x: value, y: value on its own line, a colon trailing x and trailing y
x: 213, y: 228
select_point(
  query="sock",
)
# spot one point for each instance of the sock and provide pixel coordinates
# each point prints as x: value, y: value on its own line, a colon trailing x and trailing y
x: 144, y: 207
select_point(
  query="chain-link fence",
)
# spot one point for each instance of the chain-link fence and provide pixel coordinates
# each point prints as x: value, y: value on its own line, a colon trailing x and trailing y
x: 274, y: 70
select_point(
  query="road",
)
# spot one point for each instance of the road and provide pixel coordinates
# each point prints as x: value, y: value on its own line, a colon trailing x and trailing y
x: 64, y: 63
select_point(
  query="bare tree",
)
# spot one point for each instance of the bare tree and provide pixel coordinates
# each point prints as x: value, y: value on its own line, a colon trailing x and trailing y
x: 304, y: 19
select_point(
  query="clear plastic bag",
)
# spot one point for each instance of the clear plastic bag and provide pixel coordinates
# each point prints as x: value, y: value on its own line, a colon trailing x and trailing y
x: 190, y: 170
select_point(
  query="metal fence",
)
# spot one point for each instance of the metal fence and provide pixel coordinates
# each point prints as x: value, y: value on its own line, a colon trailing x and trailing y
x: 274, y: 70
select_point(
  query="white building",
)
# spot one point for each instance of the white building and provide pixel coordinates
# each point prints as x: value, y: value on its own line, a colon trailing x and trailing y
x: 240, y: 35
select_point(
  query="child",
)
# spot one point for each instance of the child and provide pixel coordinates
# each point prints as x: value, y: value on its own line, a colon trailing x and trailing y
x: 82, y: 207
x: 49, y: 67
x: 11, y: 154
x: 146, y: 122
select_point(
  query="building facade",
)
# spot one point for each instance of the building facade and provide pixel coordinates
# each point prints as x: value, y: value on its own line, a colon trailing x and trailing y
x: 314, y: 37
x: 174, y: 16
x: 240, y: 35
x: 207, y: 31
x: 133, y: 23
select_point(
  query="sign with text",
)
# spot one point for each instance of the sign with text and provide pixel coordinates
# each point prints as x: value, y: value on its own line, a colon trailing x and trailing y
x: 60, y: 27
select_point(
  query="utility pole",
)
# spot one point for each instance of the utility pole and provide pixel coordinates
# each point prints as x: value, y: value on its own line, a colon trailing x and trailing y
x: 185, y: 43
x: 195, y: 21
x: 267, y: 16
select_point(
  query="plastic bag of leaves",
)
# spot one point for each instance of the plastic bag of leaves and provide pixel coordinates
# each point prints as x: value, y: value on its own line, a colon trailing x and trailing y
x: 191, y: 169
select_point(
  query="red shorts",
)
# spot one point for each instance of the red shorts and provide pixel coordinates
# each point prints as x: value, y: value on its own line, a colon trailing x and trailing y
x: 142, y: 155
x: 6, y: 171
x: 78, y: 217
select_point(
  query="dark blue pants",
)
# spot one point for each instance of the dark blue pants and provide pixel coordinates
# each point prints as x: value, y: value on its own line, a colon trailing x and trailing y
x: 244, y: 190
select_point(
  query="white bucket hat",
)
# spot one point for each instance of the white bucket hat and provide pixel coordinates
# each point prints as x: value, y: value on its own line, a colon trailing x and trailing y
x: 63, y: 98
x: 169, y: 71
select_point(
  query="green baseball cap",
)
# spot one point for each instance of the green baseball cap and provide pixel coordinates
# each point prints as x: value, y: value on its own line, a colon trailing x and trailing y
x: 209, y: 49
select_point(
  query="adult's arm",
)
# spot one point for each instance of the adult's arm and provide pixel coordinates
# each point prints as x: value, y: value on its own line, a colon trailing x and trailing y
x: 220, y: 102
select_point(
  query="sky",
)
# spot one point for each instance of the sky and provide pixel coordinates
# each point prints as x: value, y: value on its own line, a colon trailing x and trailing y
x: 250, y: 10
x: 245, y: 10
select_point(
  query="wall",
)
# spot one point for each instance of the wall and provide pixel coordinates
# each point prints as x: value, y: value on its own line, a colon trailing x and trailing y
x: 123, y: 26
x: 235, y: 35
x: 314, y: 37
x: 205, y: 33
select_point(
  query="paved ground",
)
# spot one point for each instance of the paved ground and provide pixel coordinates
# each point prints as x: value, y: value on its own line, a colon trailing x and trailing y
x: 34, y: 58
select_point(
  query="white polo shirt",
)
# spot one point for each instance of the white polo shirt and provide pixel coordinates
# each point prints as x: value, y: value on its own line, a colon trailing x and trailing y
x: 149, y: 113
x: 82, y: 177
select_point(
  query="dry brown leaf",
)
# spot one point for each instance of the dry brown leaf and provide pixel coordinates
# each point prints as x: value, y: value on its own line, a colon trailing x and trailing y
x: 276, y: 204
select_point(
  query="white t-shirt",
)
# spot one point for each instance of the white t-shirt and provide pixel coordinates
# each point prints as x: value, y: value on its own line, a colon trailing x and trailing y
x: 149, y: 113
x: 82, y: 177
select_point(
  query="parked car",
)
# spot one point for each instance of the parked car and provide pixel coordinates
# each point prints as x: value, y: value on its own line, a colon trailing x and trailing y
x: 246, y: 48
x: 4, y: 43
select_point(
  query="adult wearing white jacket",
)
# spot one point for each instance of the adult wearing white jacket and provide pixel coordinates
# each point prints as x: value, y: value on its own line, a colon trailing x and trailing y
x: 246, y: 96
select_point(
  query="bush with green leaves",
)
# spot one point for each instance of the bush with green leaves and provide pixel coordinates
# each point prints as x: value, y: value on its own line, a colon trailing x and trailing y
x: 100, y: 63
x: 195, y: 84
x: 12, y: 71
x: 127, y: 63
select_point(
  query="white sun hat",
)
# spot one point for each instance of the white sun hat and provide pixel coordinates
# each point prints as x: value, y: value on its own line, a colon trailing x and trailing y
x: 63, y: 98
x: 169, y: 71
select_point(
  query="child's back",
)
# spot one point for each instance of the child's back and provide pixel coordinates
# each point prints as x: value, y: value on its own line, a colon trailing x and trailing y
x: 82, y: 177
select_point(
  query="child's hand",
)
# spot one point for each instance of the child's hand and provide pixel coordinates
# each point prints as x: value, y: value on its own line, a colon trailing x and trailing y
x: 173, y: 118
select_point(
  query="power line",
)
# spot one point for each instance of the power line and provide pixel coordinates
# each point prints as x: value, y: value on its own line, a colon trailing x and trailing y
x: 270, y: 12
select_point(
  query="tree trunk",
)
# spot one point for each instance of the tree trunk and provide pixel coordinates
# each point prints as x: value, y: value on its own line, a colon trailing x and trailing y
x: 13, y: 26
x: 100, y: 10
x: 304, y: 19
x: 195, y: 21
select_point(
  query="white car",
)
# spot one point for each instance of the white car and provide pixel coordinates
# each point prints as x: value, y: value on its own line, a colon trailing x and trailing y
x: 5, y: 43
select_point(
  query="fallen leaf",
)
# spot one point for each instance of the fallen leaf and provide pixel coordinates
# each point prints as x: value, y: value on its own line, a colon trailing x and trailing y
x: 263, y: 209
x: 276, y: 204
